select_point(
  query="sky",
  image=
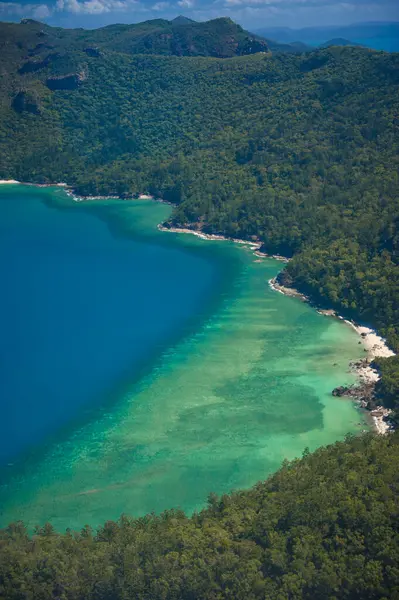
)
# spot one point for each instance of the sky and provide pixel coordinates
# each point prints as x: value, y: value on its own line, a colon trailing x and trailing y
x: 253, y: 14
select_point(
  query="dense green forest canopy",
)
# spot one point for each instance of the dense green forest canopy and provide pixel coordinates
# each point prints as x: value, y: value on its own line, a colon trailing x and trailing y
x: 325, y: 527
x: 220, y: 38
x: 297, y: 150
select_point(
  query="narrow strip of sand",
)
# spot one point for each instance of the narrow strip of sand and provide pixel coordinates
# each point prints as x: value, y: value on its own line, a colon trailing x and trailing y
x: 14, y: 181
x: 375, y: 346
x: 254, y: 245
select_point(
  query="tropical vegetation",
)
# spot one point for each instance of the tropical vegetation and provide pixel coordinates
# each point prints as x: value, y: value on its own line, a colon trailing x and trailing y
x: 322, y: 528
x: 297, y: 150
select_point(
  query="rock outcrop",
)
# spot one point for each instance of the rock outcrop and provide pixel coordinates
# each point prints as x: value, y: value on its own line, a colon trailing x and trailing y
x: 26, y: 101
x: 251, y: 45
x: 71, y: 81
x: 364, y: 393
x: 32, y: 66
x: 93, y: 52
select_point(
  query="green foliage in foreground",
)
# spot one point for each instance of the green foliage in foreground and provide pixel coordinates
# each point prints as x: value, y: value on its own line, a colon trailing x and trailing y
x: 325, y: 527
x: 300, y: 151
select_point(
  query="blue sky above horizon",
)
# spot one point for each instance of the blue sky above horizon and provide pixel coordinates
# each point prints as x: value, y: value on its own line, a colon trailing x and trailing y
x: 253, y: 14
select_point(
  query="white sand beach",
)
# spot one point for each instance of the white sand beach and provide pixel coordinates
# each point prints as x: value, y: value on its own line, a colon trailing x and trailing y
x: 374, y: 345
x: 254, y: 245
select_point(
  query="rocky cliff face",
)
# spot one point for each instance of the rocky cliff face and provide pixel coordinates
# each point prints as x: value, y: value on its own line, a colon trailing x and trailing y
x: 71, y: 81
x: 31, y: 66
x: 26, y: 101
x: 252, y: 45
x: 93, y: 52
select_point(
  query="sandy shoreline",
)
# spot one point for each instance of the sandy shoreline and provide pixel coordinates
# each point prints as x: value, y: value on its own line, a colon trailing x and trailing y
x: 70, y: 192
x: 14, y: 181
x: 127, y: 199
x: 210, y: 236
x: 254, y: 245
x: 374, y: 345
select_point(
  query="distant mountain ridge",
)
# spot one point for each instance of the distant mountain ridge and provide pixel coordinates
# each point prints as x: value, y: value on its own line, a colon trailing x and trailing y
x: 181, y: 20
x: 338, y: 42
x: 219, y: 38
x: 378, y: 36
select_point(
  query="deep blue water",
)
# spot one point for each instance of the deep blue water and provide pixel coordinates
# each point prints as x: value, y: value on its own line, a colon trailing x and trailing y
x: 80, y: 310
x: 141, y: 370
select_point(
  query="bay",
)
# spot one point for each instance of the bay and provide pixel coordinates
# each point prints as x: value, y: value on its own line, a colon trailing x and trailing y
x: 141, y: 370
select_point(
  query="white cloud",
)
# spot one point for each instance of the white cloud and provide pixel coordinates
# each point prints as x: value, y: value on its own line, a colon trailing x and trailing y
x: 94, y: 7
x: 247, y: 2
x: 34, y: 11
x: 8, y: 7
x: 252, y: 14
x: 299, y: 5
x: 160, y: 5
x: 186, y: 3
x: 41, y: 12
x: 282, y: 3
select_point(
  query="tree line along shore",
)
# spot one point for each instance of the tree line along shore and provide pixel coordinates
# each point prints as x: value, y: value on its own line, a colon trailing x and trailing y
x: 295, y: 151
x: 323, y: 527
x: 298, y: 151
x: 366, y: 391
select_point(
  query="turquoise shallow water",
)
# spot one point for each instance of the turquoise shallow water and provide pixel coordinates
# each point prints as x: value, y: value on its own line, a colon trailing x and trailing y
x: 142, y: 370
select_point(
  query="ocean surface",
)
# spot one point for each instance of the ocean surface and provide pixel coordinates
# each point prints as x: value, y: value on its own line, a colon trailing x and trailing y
x: 141, y: 370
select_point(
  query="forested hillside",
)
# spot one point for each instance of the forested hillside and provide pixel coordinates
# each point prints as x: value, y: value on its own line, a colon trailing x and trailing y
x: 322, y: 528
x: 300, y: 151
x: 220, y: 38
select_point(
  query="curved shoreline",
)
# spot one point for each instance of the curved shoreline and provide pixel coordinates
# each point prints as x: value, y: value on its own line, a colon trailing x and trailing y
x: 15, y: 182
x: 374, y: 345
x: 255, y: 245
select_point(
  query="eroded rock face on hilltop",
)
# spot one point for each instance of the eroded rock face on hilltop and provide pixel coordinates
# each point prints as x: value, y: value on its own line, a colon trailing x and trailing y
x: 251, y: 46
x: 31, y: 66
x: 93, y: 52
x: 26, y: 101
x: 71, y: 81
